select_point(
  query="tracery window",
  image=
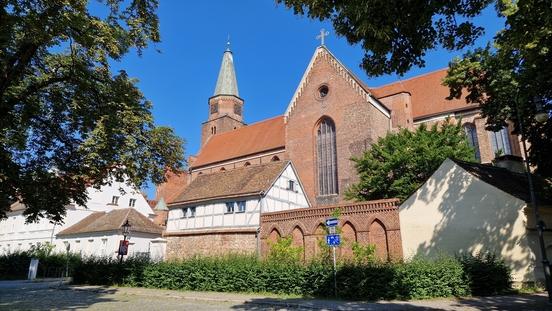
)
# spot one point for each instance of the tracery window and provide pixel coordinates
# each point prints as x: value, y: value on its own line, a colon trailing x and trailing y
x: 326, y: 157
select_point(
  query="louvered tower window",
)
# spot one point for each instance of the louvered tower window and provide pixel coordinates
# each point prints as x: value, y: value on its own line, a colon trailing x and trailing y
x: 326, y: 157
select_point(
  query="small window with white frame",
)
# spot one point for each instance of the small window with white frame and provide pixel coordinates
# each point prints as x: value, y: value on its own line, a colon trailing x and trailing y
x: 115, y: 200
x: 192, y: 211
x: 229, y: 207
x: 132, y: 202
x: 184, y: 212
x: 241, y: 206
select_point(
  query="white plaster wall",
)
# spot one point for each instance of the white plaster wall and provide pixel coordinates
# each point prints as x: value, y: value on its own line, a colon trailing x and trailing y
x: 454, y: 212
x: 280, y: 198
x: 213, y: 215
x: 105, y: 243
x: 100, y: 199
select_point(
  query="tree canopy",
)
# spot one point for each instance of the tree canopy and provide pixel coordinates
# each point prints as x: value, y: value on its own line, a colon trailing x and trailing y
x: 66, y: 121
x: 400, y: 162
x: 395, y: 35
x: 512, y: 81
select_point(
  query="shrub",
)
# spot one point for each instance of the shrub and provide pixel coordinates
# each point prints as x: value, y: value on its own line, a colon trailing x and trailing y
x: 486, y: 274
x: 283, y: 251
x: 363, y: 254
x: 108, y: 271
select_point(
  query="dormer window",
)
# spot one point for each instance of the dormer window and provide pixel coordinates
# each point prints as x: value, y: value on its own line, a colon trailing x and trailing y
x: 131, y: 202
x: 115, y: 200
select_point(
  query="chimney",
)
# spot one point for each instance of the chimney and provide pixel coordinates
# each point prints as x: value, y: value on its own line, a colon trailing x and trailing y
x: 510, y: 162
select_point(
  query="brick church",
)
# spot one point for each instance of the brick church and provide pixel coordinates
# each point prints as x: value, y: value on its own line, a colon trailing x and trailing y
x: 281, y: 175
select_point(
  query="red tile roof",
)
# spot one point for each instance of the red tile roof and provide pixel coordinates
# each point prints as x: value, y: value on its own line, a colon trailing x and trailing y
x: 428, y: 94
x: 112, y: 221
x: 243, y: 181
x: 248, y: 140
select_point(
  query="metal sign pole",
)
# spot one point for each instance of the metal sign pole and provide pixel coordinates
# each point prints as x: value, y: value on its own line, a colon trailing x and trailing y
x: 335, y: 273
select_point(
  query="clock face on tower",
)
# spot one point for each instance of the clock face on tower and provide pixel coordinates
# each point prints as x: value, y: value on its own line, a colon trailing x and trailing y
x: 237, y: 109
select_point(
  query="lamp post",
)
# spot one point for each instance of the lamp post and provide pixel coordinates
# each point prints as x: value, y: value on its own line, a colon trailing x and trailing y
x: 541, y: 117
x: 123, y: 246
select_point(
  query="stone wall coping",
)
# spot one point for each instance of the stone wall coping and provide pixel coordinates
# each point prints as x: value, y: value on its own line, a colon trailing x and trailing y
x: 374, y: 206
x: 209, y: 231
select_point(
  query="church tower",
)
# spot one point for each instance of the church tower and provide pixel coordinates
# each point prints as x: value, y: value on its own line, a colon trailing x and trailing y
x: 225, y: 106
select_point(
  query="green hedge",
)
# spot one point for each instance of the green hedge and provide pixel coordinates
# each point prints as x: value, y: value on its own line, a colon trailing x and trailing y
x: 416, y: 279
x: 15, y: 266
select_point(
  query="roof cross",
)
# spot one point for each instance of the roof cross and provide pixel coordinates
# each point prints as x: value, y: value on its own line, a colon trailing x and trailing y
x: 323, y: 34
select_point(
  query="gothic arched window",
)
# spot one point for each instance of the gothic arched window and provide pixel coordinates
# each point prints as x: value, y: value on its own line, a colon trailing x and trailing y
x: 326, y: 157
x: 471, y: 134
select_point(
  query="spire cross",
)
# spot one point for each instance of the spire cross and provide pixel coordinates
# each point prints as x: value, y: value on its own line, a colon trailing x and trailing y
x: 323, y: 34
x: 228, y: 43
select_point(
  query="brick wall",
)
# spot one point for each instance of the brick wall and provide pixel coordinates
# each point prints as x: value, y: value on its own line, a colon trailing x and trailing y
x: 374, y: 222
x: 211, y: 243
x: 358, y: 124
x: 483, y: 136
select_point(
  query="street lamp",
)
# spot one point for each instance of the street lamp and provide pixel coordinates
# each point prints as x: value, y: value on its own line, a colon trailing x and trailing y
x: 123, y: 245
x: 126, y: 228
x: 541, y: 117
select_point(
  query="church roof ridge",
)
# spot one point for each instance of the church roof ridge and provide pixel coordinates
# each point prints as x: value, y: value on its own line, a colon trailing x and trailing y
x: 268, y: 134
x: 357, y: 84
x: 400, y: 81
x: 227, y: 84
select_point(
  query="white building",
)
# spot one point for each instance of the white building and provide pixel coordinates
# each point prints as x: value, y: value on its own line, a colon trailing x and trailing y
x: 100, y: 232
x: 16, y: 235
x: 220, y: 212
x: 469, y: 208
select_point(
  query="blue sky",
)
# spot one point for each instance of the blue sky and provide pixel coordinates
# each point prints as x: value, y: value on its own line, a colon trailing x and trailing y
x: 271, y: 48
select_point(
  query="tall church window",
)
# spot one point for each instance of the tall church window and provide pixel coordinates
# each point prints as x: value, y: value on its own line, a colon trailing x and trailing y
x: 471, y: 134
x: 326, y: 157
x: 500, y: 142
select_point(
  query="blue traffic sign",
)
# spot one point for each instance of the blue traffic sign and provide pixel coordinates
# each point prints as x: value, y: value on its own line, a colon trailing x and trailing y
x: 331, y: 222
x: 333, y: 240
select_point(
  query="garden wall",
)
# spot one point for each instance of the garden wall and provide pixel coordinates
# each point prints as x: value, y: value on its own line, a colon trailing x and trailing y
x: 370, y: 222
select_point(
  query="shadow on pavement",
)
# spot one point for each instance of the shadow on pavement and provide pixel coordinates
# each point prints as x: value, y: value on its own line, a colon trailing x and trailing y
x: 53, y: 298
x: 302, y: 304
x: 514, y: 302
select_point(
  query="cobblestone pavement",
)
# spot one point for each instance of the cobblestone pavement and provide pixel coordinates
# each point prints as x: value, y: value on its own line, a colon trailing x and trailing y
x: 41, y: 297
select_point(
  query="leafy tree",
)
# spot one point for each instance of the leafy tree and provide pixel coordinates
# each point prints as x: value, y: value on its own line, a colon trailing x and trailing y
x: 513, y: 81
x: 400, y: 162
x: 395, y: 35
x: 66, y: 121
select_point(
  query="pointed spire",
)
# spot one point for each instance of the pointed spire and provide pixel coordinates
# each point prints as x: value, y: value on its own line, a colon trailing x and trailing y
x: 226, y: 82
